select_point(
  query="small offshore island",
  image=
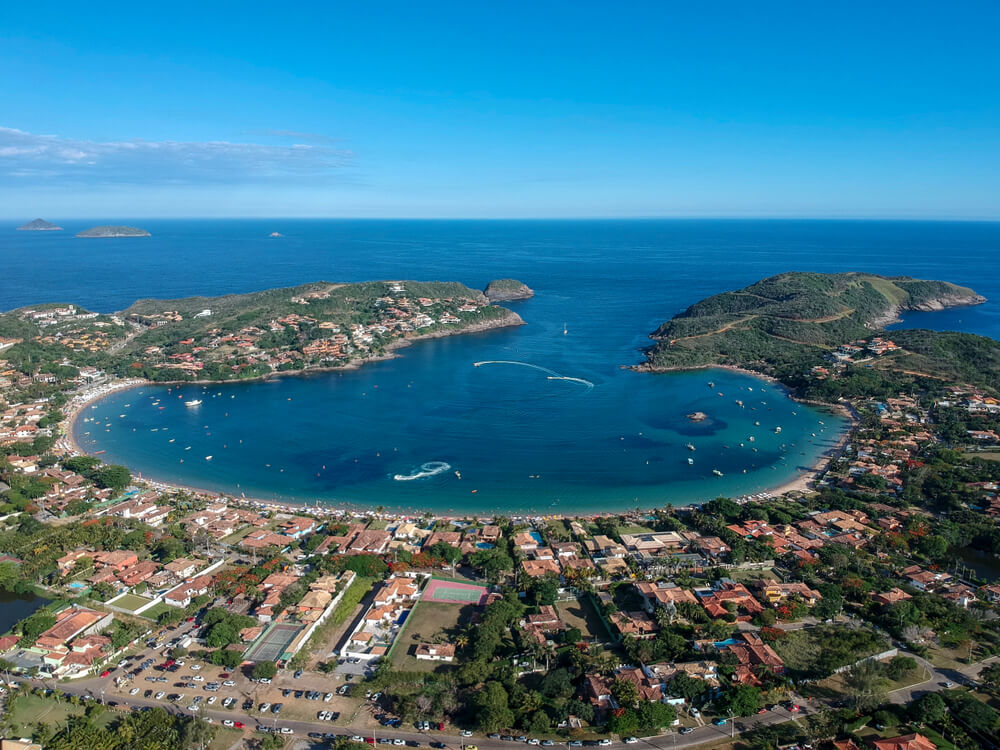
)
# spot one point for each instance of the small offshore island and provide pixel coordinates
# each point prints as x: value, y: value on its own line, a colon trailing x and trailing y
x: 39, y: 225
x: 113, y: 231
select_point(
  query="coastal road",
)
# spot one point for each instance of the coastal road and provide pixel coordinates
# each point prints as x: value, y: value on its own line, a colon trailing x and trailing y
x: 699, y: 736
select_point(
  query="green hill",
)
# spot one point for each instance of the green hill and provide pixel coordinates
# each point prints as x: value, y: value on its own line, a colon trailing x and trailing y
x: 785, y: 323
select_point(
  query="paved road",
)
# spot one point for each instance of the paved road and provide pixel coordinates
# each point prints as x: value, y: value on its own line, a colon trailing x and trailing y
x: 699, y: 736
x: 935, y: 679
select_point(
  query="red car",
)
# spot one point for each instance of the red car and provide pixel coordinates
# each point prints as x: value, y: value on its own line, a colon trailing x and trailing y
x: 794, y: 709
x: 190, y: 619
x: 224, y: 676
x: 763, y: 711
x: 105, y: 673
x: 239, y: 724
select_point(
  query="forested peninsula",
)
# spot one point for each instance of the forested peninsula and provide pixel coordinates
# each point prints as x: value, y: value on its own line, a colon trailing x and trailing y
x: 794, y: 326
x: 310, y: 327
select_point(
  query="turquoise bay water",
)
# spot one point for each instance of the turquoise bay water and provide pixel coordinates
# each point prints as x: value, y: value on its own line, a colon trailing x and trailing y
x: 523, y: 441
x: 424, y: 431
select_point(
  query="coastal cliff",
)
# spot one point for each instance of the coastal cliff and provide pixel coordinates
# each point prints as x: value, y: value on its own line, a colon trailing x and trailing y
x: 788, y: 325
x: 113, y: 231
x: 506, y: 290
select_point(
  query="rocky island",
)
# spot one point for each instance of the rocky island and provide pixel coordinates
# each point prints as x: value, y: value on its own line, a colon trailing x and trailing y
x: 113, y: 231
x: 796, y: 324
x: 504, y: 290
x: 310, y: 327
x: 39, y: 225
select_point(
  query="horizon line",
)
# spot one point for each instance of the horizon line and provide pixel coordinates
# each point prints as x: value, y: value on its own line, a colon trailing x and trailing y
x: 663, y: 217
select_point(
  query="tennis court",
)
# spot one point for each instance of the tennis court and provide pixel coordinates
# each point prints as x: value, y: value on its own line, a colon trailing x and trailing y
x: 272, y: 643
x: 439, y: 590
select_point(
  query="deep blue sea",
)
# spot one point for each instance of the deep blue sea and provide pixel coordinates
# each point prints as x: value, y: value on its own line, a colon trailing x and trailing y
x: 512, y: 439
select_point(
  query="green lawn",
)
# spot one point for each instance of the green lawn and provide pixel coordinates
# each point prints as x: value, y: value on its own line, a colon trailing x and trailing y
x: 132, y: 602
x: 985, y: 455
x: 429, y: 622
x: 153, y: 612
x: 359, y: 587
x: 634, y: 529
x: 237, y: 536
x: 33, y: 709
x: 580, y: 613
x: 225, y: 738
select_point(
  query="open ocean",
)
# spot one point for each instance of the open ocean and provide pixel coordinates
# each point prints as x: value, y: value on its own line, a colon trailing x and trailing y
x: 521, y: 441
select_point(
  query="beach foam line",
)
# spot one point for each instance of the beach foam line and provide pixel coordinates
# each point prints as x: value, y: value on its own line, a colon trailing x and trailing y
x: 429, y: 469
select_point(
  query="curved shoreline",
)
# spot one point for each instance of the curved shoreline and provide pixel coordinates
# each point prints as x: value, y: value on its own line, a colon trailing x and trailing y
x: 801, y: 482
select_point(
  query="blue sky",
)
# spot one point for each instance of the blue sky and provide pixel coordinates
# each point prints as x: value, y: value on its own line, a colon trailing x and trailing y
x: 475, y: 109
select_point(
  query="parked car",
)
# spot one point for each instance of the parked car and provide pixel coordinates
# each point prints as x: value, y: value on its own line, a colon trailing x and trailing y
x: 719, y: 721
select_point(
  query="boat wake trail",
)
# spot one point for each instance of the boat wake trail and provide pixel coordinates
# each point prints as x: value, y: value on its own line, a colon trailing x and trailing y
x: 551, y: 374
x: 428, y: 469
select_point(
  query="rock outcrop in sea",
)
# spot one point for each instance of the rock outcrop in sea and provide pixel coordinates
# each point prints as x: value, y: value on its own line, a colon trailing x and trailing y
x: 503, y: 290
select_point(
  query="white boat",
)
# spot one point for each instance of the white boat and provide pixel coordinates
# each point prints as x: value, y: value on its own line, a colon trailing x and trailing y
x: 717, y: 472
x: 208, y: 458
x: 777, y: 430
x: 690, y: 461
x: 690, y: 447
x: 194, y: 402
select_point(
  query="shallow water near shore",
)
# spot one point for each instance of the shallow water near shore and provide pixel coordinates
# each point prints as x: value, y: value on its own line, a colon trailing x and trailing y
x: 591, y: 437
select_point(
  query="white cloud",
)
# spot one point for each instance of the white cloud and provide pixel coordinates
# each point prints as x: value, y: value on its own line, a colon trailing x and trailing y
x: 29, y: 156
